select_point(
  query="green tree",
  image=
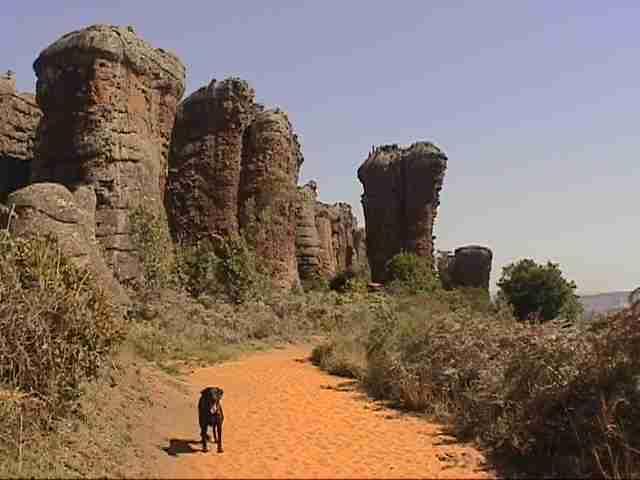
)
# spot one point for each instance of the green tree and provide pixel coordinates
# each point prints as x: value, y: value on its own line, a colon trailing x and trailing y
x: 540, y: 290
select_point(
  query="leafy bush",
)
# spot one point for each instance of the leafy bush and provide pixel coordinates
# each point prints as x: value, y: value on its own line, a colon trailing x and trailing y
x: 155, y: 249
x: 410, y: 273
x: 539, y: 291
x: 58, y: 330
x: 223, y: 267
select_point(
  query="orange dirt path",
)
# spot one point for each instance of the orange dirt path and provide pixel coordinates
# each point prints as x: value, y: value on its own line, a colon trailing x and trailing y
x: 285, y: 418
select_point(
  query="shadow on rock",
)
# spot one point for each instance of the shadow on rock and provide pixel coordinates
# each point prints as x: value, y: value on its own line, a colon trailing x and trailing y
x: 178, y: 446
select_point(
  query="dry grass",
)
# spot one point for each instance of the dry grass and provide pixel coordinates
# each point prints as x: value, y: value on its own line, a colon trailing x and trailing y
x: 553, y: 399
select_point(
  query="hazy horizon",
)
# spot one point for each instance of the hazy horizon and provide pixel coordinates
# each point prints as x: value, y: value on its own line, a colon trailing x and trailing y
x: 533, y: 102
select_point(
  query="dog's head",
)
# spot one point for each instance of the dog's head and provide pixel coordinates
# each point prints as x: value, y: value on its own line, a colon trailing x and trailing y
x: 214, y: 394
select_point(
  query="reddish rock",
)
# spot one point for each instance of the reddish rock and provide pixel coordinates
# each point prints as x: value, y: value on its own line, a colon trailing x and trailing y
x: 271, y: 162
x: 19, y: 119
x: 206, y: 159
x: 400, y: 201
x: 109, y: 101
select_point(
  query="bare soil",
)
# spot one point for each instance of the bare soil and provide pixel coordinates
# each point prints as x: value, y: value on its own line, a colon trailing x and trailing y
x: 285, y: 418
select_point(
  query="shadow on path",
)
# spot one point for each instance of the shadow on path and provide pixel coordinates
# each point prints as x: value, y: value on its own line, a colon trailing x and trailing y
x: 179, y: 446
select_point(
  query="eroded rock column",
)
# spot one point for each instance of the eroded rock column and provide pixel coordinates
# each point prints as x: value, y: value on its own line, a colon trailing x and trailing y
x: 206, y: 159
x: 109, y: 101
x: 268, y: 193
x: 471, y: 267
x: 19, y: 119
x: 400, y: 201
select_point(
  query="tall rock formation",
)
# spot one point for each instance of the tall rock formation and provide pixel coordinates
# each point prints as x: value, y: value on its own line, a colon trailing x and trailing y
x: 50, y: 208
x: 233, y: 170
x: 360, y: 248
x: 19, y: 119
x: 308, y: 247
x: 109, y: 101
x: 271, y: 162
x: 401, y: 196
x: 206, y: 159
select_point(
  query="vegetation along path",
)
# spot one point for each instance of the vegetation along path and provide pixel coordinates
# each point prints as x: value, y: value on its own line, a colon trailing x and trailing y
x: 286, y: 418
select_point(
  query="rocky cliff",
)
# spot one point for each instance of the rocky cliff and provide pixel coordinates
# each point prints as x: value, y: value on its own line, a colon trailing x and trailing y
x: 109, y: 101
x: 19, y: 119
x: 401, y: 197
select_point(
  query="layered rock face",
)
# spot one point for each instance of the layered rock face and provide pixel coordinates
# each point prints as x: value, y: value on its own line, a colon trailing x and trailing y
x: 109, y: 101
x: 325, y: 236
x: 308, y: 247
x: 50, y: 208
x: 471, y: 267
x: 267, y: 193
x: 206, y: 159
x: 401, y: 196
x: 336, y: 225
x: 19, y: 119
x: 233, y: 170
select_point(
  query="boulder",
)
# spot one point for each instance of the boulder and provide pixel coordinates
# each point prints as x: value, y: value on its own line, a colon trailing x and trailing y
x: 471, y: 267
x: 108, y: 100
x: 49, y: 208
x: 401, y: 196
x: 19, y: 119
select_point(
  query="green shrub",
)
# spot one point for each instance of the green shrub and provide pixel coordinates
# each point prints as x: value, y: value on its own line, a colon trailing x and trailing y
x: 155, y: 249
x: 410, y: 273
x: 226, y: 267
x: 539, y: 291
x: 58, y: 328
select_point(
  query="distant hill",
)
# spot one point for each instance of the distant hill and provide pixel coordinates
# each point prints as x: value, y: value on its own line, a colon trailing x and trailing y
x: 604, y: 302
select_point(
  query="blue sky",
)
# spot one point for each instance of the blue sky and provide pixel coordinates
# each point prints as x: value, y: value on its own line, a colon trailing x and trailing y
x: 536, y: 104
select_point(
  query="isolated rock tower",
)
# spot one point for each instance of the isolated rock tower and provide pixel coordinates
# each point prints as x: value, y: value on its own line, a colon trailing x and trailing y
x: 400, y: 201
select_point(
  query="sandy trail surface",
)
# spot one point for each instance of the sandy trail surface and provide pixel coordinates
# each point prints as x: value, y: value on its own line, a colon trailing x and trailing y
x: 285, y: 418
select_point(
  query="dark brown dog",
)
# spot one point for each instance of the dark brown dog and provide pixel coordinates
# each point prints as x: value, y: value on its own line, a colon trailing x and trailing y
x: 210, y: 414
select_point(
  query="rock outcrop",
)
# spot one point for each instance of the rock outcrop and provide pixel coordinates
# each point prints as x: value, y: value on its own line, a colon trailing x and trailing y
x: 336, y: 225
x: 471, y: 267
x: 325, y: 236
x: 401, y: 197
x: 109, y: 101
x: 233, y: 171
x: 468, y: 266
x: 271, y: 162
x: 206, y: 159
x: 50, y: 208
x: 19, y: 119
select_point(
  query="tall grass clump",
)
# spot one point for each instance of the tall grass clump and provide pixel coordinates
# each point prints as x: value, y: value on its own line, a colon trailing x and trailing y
x: 409, y: 273
x: 57, y: 330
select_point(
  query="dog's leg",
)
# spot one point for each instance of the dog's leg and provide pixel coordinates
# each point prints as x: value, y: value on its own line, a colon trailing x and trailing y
x: 219, y: 427
x: 204, y: 437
